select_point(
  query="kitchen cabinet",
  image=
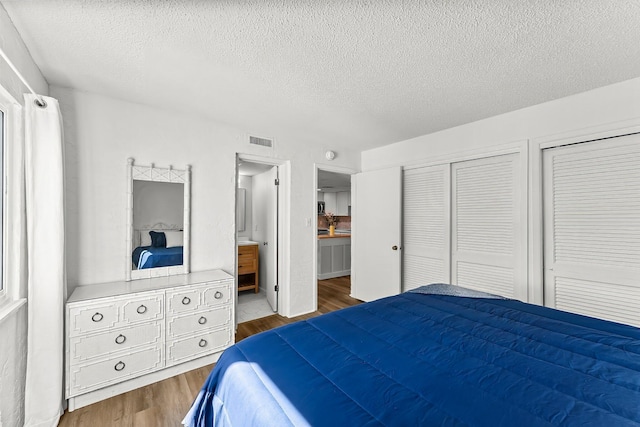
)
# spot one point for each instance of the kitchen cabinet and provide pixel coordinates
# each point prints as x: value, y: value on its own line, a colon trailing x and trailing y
x: 343, y: 200
x: 337, y: 203
x: 331, y: 203
x: 334, y: 257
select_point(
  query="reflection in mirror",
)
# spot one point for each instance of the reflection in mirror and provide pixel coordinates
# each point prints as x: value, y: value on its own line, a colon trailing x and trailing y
x: 158, y: 224
x: 158, y: 221
x: 241, y: 210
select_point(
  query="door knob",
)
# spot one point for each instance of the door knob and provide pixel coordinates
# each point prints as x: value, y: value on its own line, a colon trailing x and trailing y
x: 394, y: 247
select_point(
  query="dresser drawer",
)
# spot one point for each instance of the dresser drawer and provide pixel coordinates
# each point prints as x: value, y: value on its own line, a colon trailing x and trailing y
x: 84, y: 378
x: 111, y: 313
x: 217, y: 295
x: 197, y: 298
x: 198, y: 322
x: 184, y: 300
x: 94, y: 317
x: 143, y: 309
x: 104, y: 344
x: 183, y: 349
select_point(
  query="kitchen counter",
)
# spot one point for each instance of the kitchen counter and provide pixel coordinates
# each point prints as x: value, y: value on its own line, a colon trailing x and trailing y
x: 336, y: 236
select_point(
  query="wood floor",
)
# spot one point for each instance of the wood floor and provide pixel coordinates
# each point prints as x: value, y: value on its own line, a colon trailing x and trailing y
x: 165, y: 403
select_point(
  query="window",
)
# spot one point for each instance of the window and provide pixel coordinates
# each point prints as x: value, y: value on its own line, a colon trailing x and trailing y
x: 9, y: 112
x: 12, y: 278
x: 3, y: 201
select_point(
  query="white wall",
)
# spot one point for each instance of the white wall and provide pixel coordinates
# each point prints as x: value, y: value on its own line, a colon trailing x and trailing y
x: 13, y: 328
x: 608, y: 104
x: 612, y: 107
x: 101, y: 133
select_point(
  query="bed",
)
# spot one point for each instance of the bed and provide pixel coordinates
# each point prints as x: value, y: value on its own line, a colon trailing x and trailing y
x: 438, y: 355
x: 158, y: 246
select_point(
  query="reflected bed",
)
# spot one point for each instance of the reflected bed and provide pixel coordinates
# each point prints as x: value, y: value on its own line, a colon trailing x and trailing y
x: 438, y: 355
x: 159, y: 246
x: 151, y: 257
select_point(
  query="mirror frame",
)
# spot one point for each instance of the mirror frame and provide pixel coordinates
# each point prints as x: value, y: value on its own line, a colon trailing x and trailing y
x: 152, y: 173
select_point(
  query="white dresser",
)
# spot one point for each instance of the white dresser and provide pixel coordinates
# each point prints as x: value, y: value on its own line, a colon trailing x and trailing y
x: 124, y: 335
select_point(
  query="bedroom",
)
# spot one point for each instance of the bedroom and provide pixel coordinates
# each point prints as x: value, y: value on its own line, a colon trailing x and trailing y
x: 176, y: 120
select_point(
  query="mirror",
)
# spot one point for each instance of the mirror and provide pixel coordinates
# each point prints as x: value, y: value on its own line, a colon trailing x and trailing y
x: 241, y: 210
x: 158, y: 221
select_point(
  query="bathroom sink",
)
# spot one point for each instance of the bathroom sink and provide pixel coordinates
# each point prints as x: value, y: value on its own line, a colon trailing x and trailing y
x: 246, y: 242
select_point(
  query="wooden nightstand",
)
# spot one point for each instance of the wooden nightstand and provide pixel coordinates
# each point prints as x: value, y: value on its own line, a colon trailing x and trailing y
x: 248, y: 267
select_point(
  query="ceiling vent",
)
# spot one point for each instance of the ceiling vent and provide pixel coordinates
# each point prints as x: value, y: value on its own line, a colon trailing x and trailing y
x: 264, y: 142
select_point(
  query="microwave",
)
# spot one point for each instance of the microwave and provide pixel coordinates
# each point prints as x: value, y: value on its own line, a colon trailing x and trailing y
x: 320, y: 208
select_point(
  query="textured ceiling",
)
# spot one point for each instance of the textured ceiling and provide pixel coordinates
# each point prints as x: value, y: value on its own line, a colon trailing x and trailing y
x: 365, y: 73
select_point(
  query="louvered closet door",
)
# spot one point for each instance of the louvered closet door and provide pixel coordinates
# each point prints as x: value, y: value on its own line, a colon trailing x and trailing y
x: 425, y: 226
x: 486, y: 253
x: 592, y: 228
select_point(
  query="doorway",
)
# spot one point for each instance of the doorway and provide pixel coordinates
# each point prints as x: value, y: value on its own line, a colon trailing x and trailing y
x: 257, y: 224
x: 333, y: 225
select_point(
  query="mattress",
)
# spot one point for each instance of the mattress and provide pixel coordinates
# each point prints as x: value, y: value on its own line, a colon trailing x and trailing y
x: 429, y: 358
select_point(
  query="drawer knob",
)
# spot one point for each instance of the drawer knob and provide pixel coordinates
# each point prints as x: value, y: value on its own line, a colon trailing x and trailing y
x: 202, y: 320
x: 120, y: 339
x: 142, y: 309
x: 202, y: 343
x: 217, y: 295
x: 186, y: 301
x: 119, y: 366
x: 97, y: 317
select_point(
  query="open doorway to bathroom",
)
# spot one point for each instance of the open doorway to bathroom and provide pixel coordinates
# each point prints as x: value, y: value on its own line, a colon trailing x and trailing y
x: 333, y: 224
x: 257, y: 239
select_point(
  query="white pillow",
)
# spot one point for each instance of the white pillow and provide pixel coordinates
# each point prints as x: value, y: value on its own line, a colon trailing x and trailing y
x: 174, y: 238
x: 145, y: 238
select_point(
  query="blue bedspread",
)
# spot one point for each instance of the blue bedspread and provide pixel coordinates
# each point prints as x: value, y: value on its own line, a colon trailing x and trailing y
x: 150, y: 257
x: 429, y: 360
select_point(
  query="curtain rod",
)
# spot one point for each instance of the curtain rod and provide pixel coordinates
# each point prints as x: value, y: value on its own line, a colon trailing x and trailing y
x: 40, y: 102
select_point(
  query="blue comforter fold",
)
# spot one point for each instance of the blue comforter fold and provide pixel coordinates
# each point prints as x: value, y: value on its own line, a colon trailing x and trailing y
x: 429, y: 359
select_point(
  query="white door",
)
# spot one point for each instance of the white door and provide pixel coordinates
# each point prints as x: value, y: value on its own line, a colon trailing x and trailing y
x: 376, y: 229
x: 487, y: 243
x: 265, y: 221
x: 591, y: 199
x: 426, y: 219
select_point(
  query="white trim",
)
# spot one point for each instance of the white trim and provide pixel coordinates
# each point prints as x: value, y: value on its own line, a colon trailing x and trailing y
x: 10, y: 307
x: 536, y: 213
x: 155, y: 174
x: 13, y: 267
x: 314, y: 222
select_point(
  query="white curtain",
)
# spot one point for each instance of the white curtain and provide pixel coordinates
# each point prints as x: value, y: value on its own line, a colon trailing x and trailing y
x: 44, y: 160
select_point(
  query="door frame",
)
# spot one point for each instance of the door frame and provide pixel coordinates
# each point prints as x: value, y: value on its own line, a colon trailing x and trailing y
x: 283, y: 247
x: 314, y: 218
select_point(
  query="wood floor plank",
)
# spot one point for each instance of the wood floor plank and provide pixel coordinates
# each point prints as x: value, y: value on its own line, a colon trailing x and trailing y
x: 165, y: 403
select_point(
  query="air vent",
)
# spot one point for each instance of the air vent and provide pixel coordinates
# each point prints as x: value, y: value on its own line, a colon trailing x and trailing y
x: 260, y: 141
